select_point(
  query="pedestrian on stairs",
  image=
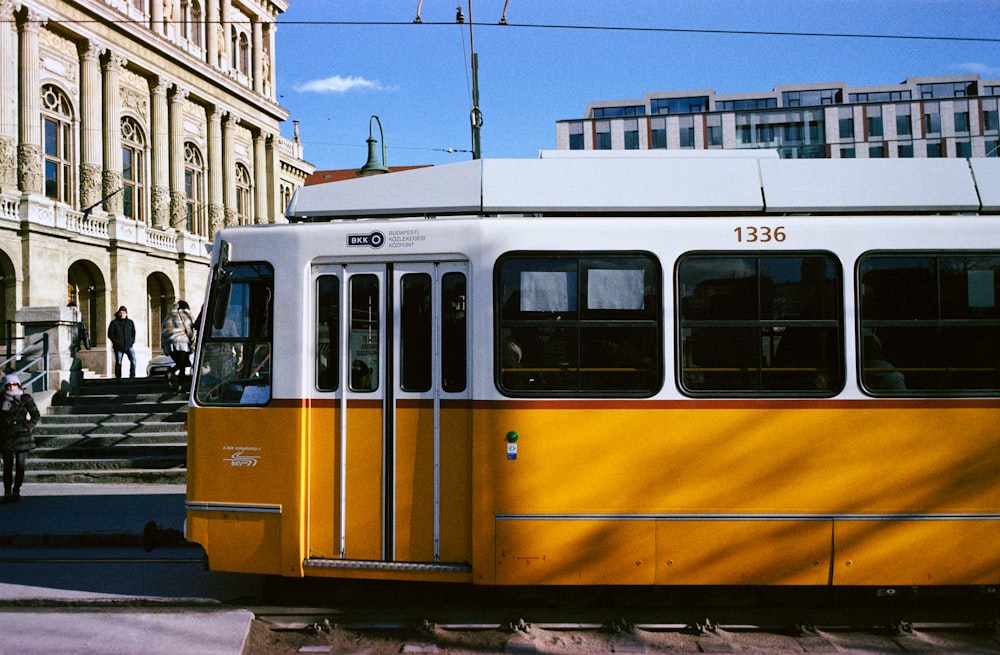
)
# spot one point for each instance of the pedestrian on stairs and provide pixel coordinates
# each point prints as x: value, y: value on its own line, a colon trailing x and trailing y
x: 121, y: 333
x: 177, y: 338
x: 18, y: 418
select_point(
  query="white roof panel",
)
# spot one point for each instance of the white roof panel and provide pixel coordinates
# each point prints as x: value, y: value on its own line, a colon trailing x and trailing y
x: 450, y: 189
x: 868, y: 185
x: 650, y: 185
x: 621, y: 185
x: 987, y: 174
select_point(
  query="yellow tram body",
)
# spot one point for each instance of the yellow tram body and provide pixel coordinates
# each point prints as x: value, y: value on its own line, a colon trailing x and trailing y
x: 487, y: 482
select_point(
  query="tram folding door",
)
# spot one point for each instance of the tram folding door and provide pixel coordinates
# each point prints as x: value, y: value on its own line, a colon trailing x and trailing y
x: 390, y: 464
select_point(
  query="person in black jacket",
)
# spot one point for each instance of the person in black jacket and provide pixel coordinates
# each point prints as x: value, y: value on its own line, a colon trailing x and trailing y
x: 121, y: 333
x: 18, y: 418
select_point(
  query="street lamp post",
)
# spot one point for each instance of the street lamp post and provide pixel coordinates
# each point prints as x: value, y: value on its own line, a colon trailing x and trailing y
x: 373, y: 166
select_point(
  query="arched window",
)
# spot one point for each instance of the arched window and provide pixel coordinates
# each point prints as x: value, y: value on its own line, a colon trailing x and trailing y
x: 57, y: 143
x: 244, y: 197
x: 133, y: 170
x: 194, y: 189
x: 243, y: 64
x: 191, y: 22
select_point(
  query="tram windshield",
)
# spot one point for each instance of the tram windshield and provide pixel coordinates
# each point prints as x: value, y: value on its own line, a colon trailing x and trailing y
x: 234, y: 366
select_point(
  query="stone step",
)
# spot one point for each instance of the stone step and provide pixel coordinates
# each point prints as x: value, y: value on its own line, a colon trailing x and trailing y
x: 144, y: 458
x: 166, y: 416
x: 57, y: 442
x: 109, y: 428
x: 113, y: 476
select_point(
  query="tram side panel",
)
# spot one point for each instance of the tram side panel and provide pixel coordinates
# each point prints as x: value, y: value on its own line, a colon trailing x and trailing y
x: 245, y: 485
x: 783, y: 494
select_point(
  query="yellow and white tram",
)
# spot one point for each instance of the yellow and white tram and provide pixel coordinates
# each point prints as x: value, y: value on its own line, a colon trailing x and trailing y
x: 609, y: 370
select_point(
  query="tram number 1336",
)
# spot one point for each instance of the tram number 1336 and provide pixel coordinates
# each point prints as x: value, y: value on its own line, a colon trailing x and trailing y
x: 759, y: 233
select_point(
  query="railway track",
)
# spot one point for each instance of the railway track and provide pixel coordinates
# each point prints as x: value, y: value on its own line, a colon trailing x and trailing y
x: 860, y: 622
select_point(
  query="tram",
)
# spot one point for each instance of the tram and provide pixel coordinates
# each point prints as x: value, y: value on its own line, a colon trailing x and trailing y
x: 609, y: 369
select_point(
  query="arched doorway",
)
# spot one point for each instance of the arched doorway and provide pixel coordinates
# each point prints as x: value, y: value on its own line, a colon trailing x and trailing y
x: 8, y: 297
x: 85, y: 286
x: 159, y: 297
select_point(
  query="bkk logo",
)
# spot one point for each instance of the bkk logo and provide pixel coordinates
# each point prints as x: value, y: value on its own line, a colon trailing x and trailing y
x: 238, y: 458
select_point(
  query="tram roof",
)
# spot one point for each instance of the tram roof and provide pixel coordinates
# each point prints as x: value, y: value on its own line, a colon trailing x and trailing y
x: 644, y: 183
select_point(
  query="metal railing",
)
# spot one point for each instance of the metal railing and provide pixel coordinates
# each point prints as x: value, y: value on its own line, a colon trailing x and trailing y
x: 32, y: 359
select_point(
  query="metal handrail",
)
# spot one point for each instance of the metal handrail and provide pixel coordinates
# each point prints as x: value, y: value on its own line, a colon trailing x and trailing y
x: 24, y: 360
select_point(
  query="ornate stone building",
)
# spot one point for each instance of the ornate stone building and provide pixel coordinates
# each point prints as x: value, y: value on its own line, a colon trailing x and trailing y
x: 130, y: 132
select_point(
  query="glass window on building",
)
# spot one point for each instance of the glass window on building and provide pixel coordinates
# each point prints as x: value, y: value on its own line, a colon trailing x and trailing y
x: 694, y: 104
x: 812, y: 98
x: 904, y: 150
x: 935, y: 149
x: 993, y: 148
x: 576, y: 136
x: 963, y: 148
x: 877, y: 151
x: 947, y: 90
x: 962, y: 125
x: 759, y: 325
x: 57, y: 143
x: 687, y: 131
x: 873, y: 122
x: 133, y: 170
x: 631, y: 127
x: 194, y: 189
x: 846, y: 122
x: 932, y: 118
x: 847, y: 153
x: 904, y: 121
x: 713, y: 124
x: 602, y: 137
x: 990, y: 118
x: 658, y: 133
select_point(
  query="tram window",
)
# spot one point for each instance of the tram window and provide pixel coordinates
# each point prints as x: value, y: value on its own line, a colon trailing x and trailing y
x: 930, y: 323
x: 415, y: 332
x: 579, y: 324
x: 766, y: 324
x: 453, y: 327
x: 328, y: 333
x: 364, y: 333
x: 235, y: 353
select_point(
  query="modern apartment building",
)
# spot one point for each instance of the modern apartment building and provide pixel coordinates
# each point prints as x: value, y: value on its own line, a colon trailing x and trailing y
x: 130, y: 132
x: 948, y: 116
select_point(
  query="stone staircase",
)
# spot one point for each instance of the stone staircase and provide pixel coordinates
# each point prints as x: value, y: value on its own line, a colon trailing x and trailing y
x: 112, y: 431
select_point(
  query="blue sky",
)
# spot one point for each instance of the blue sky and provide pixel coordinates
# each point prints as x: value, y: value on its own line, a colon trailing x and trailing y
x: 334, y: 73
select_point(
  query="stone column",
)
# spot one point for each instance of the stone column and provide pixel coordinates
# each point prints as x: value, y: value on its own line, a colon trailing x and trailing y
x: 29, y: 153
x: 8, y: 97
x: 260, y: 179
x: 257, y: 55
x: 159, y: 155
x: 156, y: 16
x: 269, y: 70
x: 216, y: 208
x: 229, y: 168
x: 212, y: 33
x: 273, y: 156
x: 225, y: 36
x: 178, y: 199
x: 91, y: 160
x: 111, y: 180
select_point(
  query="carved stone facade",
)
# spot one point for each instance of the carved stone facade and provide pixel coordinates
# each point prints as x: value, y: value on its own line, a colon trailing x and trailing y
x: 120, y: 136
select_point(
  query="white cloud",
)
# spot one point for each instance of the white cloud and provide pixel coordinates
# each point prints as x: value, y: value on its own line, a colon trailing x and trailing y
x: 976, y: 67
x: 338, y: 84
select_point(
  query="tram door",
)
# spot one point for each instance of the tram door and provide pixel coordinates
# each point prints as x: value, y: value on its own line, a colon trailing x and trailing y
x: 402, y: 451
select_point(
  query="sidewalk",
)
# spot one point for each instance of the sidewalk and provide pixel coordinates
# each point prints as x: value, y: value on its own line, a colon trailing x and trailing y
x: 83, y: 514
x: 109, y: 595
